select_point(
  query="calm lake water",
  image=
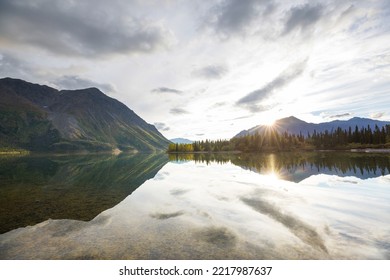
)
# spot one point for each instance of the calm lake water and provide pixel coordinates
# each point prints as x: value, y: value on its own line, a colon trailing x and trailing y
x: 154, y: 206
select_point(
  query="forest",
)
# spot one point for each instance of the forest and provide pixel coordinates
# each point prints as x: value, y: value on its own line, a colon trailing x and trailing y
x: 272, y: 140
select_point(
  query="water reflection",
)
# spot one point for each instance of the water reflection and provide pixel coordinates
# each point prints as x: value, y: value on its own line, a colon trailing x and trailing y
x: 218, y: 210
x: 34, y: 189
x: 296, y: 167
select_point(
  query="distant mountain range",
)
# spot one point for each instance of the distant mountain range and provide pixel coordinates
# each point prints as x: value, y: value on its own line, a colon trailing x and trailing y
x: 181, y: 141
x: 40, y: 118
x: 296, y: 126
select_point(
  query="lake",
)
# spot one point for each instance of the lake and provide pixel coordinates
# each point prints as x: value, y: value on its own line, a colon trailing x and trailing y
x: 314, y: 205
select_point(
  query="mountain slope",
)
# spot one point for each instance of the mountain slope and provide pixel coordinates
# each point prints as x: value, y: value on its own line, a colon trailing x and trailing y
x: 36, y: 117
x: 296, y: 126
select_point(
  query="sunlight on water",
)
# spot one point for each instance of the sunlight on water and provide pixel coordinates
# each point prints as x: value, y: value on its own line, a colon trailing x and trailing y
x: 218, y: 210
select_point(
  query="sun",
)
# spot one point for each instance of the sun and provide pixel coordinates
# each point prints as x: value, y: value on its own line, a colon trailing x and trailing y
x: 269, y: 119
x: 269, y: 122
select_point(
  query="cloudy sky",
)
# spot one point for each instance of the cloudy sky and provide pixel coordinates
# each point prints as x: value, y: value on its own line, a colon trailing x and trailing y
x: 208, y: 69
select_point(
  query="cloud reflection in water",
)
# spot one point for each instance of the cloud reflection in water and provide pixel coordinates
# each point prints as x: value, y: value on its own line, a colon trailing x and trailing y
x: 222, y: 211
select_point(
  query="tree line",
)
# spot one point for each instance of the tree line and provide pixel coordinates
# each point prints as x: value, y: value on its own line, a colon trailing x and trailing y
x: 357, y: 163
x: 272, y: 140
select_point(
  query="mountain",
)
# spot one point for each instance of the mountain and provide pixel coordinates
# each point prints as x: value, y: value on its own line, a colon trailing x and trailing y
x: 181, y: 141
x: 40, y: 118
x: 296, y: 126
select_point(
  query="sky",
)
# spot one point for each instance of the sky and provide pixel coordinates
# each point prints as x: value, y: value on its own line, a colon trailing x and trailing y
x: 208, y: 69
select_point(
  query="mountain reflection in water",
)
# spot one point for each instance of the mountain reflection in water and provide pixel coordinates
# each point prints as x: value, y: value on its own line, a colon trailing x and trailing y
x: 34, y: 189
x: 296, y: 167
x: 294, y: 206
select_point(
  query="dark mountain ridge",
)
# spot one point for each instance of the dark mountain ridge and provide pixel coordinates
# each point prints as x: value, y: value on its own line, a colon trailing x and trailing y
x: 293, y: 125
x: 38, y: 117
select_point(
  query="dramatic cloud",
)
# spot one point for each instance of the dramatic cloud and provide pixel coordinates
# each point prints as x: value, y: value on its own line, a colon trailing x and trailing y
x: 161, y: 126
x: 218, y: 104
x: 166, y: 90
x: 178, y: 111
x: 12, y: 67
x: 252, y: 99
x: 75, y: 82
x: 75, y: 28
x: 234, y: 16
x: 339, y: 116
x: 303, y: 17
x: 239, y: 118
x: 377, y: 115
x: 210, y: 72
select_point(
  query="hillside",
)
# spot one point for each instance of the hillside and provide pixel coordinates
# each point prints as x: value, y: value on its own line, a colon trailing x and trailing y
x: 39, y: 118
x: 293, y: 125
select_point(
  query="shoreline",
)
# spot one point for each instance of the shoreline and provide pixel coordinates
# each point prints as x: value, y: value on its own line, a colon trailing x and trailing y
x: 370, y: 150
x: 362, y: 150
